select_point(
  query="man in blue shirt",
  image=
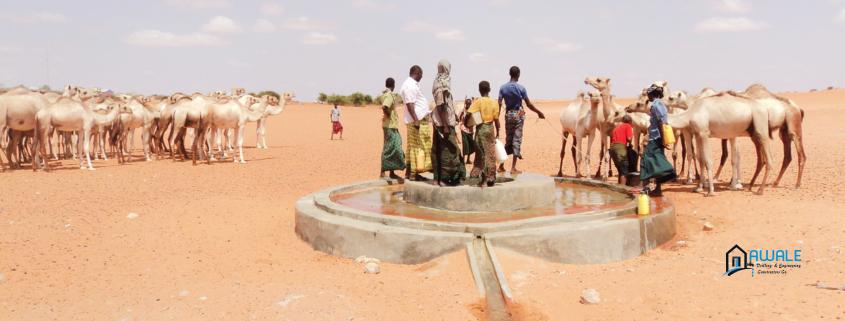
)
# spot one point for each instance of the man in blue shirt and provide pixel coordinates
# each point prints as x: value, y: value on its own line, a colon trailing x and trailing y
x: 512, y: 93
x: 654, y: 164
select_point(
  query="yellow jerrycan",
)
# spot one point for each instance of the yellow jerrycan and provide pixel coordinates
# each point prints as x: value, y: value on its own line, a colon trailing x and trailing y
x: 643, y: 206
x: 668, y: 135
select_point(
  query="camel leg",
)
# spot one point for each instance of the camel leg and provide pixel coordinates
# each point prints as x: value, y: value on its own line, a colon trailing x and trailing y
x: 562, y: 153
x: 261, y: 130
x: 787, y: 154
x: 706, y: 165
x: 145, y: 137
x: 578, y: 152
x: 601, y: 154
x: 735, y: 170
x: 86, y: 137
x: 239, y: 137
x: 723, y: 159
x: 759, y: 166
x: 802, y: 157
x: 761, y: 131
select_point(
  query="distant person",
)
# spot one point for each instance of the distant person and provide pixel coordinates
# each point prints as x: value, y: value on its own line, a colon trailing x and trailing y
x: 392, y: 156
x: 448, y: 163
x: 418, y: 123
x: 467, y: 140
x: 620, y: 141
x: 513, y: 94
x: 654, y: 164
x: 485, y: 133
x: 337, y: 127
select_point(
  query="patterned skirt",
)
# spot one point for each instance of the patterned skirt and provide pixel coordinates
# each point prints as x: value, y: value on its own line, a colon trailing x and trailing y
x: 485, y: 143
x: 419, y: 147
x: 337, y: 127
x: 654, y: 163
x: 392, y: 156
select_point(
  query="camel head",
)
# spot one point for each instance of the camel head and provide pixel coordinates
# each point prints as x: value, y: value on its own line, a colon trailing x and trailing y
x: 123, y: 107
x: 86, y: 93
x: 662, y: 84
x: 70, y: 91
x: 639, y: 106
x: 238, y: 91
x: 595, y: 97
x: 176, y: 97
x: 678, y: 99
x: 218, y: 94
x: 599, y: 83
x: 124, y: 97
x: 271, y: 100
x: 288, y: 96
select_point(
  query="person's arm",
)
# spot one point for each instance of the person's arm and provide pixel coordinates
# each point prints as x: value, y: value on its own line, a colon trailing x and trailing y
x: 409, y: 99
x: 387, y: 106
x: 629, y: 137
x: 496, y: 122
x: 534, y: 109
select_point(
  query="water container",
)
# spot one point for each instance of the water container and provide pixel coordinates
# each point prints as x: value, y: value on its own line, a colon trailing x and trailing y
x: 501, y: 154
x: 668, y: 135
x: 419, y: 155
x: 643, y: 206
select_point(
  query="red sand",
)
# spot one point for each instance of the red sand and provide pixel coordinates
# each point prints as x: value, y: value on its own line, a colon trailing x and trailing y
x: 217, y: 242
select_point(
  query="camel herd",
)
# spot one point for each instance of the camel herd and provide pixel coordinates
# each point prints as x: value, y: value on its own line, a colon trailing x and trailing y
x: 38, y: 126
x: 754, y: 113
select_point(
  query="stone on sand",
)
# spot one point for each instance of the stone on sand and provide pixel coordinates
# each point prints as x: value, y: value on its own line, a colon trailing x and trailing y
x: 708, y: 226
x: 371, y: 268
x: 590, y: 296
x: 132, y: 215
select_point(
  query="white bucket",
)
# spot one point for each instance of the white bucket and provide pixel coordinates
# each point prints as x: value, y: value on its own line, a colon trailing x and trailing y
x: 476, y: 118
x: 501, y: 154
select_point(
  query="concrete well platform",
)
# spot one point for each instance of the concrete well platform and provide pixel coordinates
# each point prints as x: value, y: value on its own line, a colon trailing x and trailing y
x: 525, y: 191
x: 588, y: 235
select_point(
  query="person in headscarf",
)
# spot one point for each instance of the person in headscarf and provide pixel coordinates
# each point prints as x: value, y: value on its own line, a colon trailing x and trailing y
x: 447, y: 160
x: 392, y: 157
x: 654, y: 164
x: 418, y: 123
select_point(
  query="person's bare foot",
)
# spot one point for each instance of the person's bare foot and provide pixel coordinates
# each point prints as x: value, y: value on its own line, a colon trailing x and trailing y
x: 502, y: 168
x: 382, y: 175
x: 515, y: 171
x: 394, y: 176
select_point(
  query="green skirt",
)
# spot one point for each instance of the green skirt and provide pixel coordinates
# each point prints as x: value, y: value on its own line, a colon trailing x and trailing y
x: 654, y: 164
x: 467, y: 143
x: 392, y: 156
x: 447, y: 159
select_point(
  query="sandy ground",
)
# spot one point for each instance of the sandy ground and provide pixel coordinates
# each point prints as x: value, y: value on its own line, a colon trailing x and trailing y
x: 217, y: 242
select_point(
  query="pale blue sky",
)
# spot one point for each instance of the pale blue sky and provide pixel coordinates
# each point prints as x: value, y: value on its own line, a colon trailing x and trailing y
x: 161, y: 46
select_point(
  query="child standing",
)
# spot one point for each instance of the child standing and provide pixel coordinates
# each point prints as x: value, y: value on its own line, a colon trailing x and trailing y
x: 485, y: 136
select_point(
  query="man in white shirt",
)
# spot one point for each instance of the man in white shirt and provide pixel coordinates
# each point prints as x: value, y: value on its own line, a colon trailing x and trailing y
x: 418, y: 123
x: 337, y: 127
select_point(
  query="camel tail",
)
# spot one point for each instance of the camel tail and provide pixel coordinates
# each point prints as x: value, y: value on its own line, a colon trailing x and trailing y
x: 802, y: 114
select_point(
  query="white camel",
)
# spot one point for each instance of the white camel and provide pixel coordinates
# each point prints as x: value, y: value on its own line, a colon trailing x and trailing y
x: 610, y: 109
x: 189, y: 113
x: 231, y: 114
x: 580, y: 118
x: 66, y: 115
x: 725, y: 116
x: 18, y: 107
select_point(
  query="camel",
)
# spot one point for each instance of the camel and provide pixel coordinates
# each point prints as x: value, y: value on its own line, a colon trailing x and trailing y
x: 610, y: 109
x: 188, y: 113
x: 579, y: 118
x: 786, y: 118
x: 141, y: 118
x: 261, y: 127
x: 231, y: 114
x: 65, y: 115
x: 105, y: 113
x: 18, y: 108
x: 726, y: 116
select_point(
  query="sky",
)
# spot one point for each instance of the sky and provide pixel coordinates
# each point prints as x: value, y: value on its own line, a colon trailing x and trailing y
x: 334, y: 46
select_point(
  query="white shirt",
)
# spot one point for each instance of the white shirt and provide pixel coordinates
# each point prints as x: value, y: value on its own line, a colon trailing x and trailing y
x: 336, y: 114
x: 411, y: 92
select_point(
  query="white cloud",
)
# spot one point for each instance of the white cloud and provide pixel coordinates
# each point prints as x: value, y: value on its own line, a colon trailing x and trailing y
x: 272, y: 9
x: 317, y: 38
x: 723, y: 24
x: 221, y: 24
x: 442, y: 33
x: 374, y: 5
x: 552, y: 45
x: 156, y: 38
x: 199, y: 4
x: 451, y: 35
x: 9, y: 49
x: 840, y: 18
x: 477, y: 57
x: 733, y: 6
x: 263, y: 25
x: 305, y: 23
x: 32, y: 18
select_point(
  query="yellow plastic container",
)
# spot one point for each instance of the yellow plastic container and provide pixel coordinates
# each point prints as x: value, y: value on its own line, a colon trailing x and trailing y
x: 668, y: 135
x: 643, y: 206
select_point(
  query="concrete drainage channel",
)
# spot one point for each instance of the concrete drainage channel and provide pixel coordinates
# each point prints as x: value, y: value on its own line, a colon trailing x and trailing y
x: 489, y: 278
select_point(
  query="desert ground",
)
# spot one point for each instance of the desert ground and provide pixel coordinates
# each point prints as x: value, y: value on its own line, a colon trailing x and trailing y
x: 165, y: 240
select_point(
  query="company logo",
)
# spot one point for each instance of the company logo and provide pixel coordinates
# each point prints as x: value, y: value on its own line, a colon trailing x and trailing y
x: 736, y: 259
x: 776, y: 261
